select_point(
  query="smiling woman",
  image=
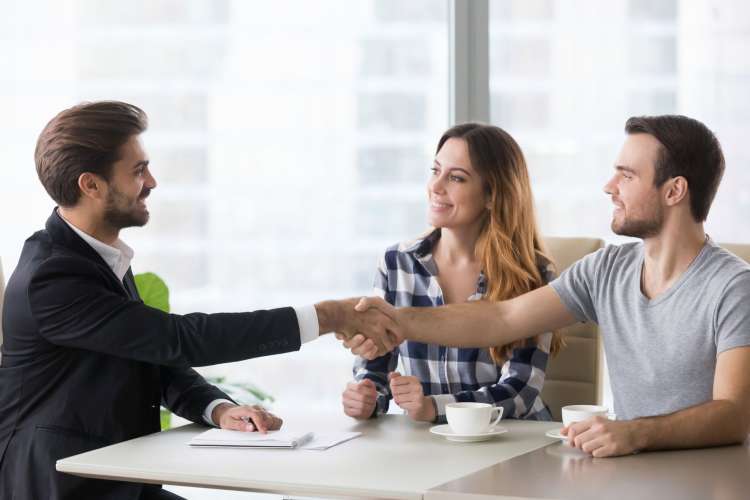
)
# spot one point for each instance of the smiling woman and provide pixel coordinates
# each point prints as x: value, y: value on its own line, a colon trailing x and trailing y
x: 484, y: 246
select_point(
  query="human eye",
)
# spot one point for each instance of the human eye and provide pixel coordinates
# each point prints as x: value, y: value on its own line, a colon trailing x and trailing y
x: 434, y: 170
x: 457, y: 178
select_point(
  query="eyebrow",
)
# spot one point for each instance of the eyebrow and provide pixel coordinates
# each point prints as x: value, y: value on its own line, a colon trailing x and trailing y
x: 143, y: 163
x: 454, y: 168
x: 623, y: 168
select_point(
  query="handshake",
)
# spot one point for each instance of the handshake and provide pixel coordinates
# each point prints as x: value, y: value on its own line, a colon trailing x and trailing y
x: 368, y: 326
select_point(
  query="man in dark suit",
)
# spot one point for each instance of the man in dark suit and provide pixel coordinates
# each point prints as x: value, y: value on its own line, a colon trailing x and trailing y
x: 85, y: 363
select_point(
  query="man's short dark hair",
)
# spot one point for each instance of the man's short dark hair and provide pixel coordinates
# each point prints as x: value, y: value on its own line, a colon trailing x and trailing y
x: 688, y: 149
x: 84, y: 138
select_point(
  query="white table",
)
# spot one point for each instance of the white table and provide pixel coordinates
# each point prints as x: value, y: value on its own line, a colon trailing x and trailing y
x: 559, y: 472
x: 394, y: 458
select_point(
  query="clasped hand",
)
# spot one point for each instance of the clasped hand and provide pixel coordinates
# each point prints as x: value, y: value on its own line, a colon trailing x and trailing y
x: 369, y: 327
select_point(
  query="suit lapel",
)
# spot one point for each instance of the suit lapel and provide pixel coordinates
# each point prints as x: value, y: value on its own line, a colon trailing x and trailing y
x: 129, y: 281
x: 63, y: 235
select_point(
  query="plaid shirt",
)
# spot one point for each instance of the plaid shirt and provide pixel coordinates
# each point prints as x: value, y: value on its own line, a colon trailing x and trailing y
x: 407, y: 276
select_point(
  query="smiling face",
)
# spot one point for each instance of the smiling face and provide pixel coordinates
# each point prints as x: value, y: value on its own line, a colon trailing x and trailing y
x: 129, y: 184
x: 455, y: 190
x: 638, y: 209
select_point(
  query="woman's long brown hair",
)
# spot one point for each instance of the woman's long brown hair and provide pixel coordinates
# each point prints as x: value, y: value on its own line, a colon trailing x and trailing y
x: 509, y: 246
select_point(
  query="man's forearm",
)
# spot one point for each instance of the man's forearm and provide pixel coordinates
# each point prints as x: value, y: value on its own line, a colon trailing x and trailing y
x: 475, y: 324
x: 485, y: 323
x: 715, y: 423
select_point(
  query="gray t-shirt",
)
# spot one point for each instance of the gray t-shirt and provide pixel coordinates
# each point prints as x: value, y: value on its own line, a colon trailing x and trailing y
x: 661, y: 353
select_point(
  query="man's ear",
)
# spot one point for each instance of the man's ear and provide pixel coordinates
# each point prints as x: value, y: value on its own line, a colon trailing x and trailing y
x: 92, y: 186
x: 677, y: 190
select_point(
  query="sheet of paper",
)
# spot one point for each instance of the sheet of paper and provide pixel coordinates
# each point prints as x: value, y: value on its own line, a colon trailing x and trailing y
x: 324, y: 440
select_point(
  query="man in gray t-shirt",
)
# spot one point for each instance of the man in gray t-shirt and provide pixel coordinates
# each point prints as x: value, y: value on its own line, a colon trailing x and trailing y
x: 661, y: 352
x: 674, y: 309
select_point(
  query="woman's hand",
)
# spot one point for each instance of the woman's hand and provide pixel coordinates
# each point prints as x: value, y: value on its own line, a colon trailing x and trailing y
x: 408, y: 395
x: 359, y: 399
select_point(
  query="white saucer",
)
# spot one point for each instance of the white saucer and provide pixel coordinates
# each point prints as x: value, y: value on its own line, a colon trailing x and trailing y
x: 445, y: 431
x: 555, y: 434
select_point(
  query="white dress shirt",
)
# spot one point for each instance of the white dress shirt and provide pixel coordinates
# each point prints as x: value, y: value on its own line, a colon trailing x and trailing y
x: 118, y: 257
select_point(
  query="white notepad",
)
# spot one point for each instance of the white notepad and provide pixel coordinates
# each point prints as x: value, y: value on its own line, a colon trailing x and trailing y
x: 272, y: 439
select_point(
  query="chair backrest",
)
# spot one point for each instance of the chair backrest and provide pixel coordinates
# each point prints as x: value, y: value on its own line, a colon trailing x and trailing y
x: 741, y: 251
x: 574, y: 376
x: 2, y: 295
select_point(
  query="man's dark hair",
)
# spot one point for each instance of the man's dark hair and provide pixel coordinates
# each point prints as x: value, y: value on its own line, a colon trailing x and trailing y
x: 84, y: 138
x: 688, y: 149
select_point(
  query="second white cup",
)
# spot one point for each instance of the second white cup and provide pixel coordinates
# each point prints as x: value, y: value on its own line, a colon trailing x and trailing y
x: 472, y: 418
x: 578, y: 413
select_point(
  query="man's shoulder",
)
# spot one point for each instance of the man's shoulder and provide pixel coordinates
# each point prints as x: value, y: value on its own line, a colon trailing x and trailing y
x: 616, y: 257
x: 42, y: 254
x: 722, y: 257
x: 624, y: 250
x: 725, y: 267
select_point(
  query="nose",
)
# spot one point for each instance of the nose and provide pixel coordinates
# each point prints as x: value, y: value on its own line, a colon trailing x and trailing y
x: 437, y: 184
x: 150, y: 180
x: 610, y: 187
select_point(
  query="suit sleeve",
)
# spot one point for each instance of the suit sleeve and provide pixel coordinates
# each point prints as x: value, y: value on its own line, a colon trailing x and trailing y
x: 73, y: 307
x: 186, y: 393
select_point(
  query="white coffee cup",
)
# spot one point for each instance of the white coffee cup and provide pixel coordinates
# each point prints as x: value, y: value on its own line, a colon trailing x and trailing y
x: 578, y: 413
x: 472, y: 418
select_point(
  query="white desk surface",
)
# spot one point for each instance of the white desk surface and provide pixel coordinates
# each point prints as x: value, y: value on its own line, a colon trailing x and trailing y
x: 394, y: 458
x: 561, y: 472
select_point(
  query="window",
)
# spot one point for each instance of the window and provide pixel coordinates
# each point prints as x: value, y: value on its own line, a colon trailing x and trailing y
x: 564, y: 77
x: 279, y: 132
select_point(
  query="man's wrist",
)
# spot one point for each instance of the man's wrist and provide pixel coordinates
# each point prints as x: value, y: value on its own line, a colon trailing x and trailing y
x: 328, y: 316
x: 219, y: 411
x: 642, y: 430
x: 332, y: 315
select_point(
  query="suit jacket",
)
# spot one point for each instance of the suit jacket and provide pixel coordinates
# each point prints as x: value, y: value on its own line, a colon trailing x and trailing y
x: 86, y: 364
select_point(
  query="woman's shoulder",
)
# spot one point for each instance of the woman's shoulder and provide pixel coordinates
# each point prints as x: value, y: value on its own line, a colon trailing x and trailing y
x: 407, y: 250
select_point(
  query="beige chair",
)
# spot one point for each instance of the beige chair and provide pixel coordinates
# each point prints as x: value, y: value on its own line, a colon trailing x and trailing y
x: 575, y: 374
x: 741, y: 251
x: 2, y: 294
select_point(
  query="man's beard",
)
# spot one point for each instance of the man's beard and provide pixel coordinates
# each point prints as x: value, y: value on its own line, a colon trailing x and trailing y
x: 641, y: 228
x: 119, y: 213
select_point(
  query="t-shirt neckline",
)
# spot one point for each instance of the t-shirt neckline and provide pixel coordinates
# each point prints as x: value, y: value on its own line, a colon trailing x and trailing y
x: 645, y: 301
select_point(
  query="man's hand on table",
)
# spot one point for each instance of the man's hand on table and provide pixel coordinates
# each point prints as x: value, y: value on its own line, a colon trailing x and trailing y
x: 245, y: 418
x: 601, y: 437
x: 370, y: 330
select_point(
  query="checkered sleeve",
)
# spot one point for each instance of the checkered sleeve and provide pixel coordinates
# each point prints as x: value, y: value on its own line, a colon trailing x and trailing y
x: 519, y: 387
x: 377, y: 369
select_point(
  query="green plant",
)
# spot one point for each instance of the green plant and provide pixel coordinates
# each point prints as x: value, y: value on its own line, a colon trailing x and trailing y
x: 242, y: 392
x: 155, y: 293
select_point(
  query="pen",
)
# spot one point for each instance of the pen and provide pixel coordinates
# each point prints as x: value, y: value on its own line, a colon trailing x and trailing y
x: 248, y: 421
